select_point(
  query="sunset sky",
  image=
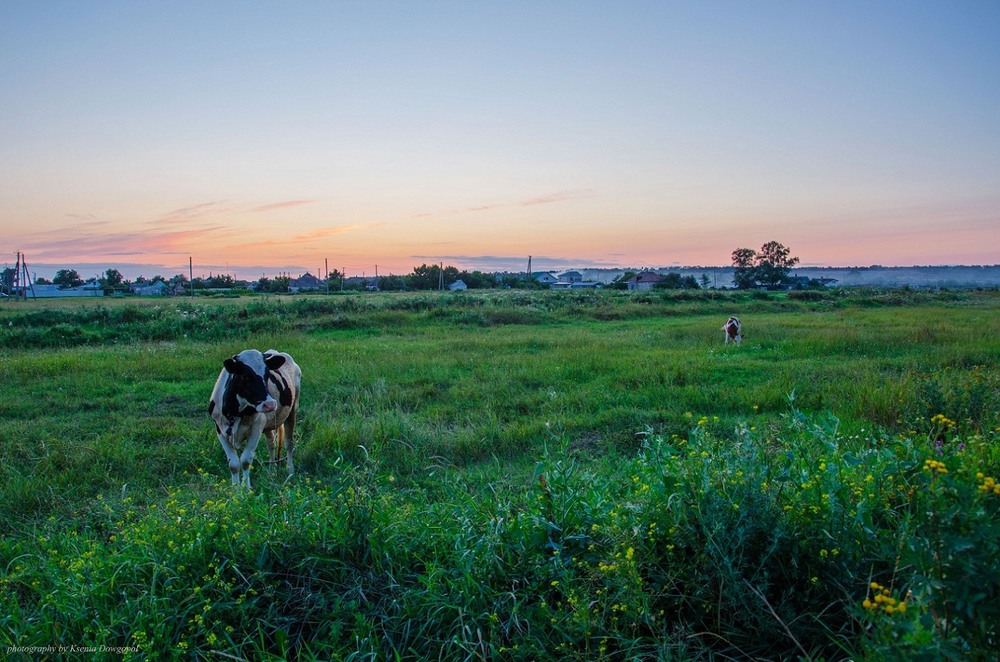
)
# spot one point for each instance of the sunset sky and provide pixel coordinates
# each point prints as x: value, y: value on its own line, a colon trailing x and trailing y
x: 265, y: 137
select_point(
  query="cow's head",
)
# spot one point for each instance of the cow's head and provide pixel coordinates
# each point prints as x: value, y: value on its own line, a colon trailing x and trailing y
x: 248, y: 381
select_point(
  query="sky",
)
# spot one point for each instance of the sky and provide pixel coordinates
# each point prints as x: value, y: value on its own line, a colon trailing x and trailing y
x: 262, y: 138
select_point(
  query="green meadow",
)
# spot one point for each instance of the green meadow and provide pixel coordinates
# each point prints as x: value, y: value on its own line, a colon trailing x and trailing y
x: 509, y: 475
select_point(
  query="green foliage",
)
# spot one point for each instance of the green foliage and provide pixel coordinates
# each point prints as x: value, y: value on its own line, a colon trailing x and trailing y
x: 768, y: 267
x: 273, y: 285
x: 518, y: 475
x: 431, y: 277
x: 674, y: 281
x: 67, y: 278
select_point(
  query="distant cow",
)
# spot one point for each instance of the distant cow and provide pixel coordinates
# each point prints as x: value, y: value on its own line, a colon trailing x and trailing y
x: 733, y: 330
x: 255, y: 393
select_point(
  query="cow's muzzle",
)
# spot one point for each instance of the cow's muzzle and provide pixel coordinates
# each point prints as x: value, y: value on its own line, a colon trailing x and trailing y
x: 264, y: 407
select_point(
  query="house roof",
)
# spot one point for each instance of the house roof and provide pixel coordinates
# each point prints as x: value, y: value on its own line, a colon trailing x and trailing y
x: 306, y: 280
x: 645, y: 277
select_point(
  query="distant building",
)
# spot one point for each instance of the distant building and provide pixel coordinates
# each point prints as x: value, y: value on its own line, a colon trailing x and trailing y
x: 796, y: 283
x: 577, y: 285
x: 646, y: 280
x: 458, y: 285
x: 544, y: 277
x: 89, y: 289
x: 571, y: 277
x: 306, y: 282
x: 158, y: 288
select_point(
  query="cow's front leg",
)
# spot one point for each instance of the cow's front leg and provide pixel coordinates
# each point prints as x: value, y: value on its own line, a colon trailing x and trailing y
x: 246, y: 459
x: 229, y: 448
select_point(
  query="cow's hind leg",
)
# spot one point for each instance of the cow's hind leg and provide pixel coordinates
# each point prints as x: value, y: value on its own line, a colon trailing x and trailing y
x: 272, y: 456
x: 289, y: 429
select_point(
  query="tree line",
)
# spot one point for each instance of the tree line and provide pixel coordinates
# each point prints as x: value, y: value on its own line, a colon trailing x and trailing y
x: 767, y: 268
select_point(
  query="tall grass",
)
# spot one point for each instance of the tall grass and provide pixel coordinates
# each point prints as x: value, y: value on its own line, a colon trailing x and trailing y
x: 513, y: 475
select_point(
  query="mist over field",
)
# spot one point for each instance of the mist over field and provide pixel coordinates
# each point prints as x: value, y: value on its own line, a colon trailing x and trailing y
x: 958, y: 277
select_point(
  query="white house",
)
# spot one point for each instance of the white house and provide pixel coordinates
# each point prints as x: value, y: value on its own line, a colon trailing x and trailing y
x: 158, y: 288
x: 89, y: 289
x: 305, y: 282
x: 646, y: 280
x: 578, y: 285
x: 458, y: 285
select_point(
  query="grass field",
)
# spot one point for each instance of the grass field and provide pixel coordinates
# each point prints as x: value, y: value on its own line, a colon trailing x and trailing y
x: 510, y: 475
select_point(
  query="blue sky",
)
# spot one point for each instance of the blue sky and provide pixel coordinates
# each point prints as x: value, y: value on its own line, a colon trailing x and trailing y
x: 262, y: 137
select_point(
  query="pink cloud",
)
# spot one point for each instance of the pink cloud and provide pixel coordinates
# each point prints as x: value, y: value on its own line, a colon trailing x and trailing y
x: 281, y: 205
x: 560, y: 196
x: 222, y: 207
x: 94, y: 240
x: 296, y: 240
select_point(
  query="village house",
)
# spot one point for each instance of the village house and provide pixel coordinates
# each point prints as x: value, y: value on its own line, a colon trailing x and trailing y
x: 91, y: 288
x: 645, y: 280
x: 573, y: 280
x: 306, y: 282
x: 145, y: 288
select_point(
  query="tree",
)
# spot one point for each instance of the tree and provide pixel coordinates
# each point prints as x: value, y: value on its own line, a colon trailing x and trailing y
x: 621, y: 282
x: 333, y: 279
x: 773, y: 264
x: 112, y: 280
x: 424, y: 277
x: 769, y: 266
x: 219, y: 282
x: 67, y: 278
x: 429, y: 277
x: 7, y: 279
x: 269, y: 285
x: 674, y: 281
x: 744, y: 275
x: 477, y: 280
x: 392, y: 283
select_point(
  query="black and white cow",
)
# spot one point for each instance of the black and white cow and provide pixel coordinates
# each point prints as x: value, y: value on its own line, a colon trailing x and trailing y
x: 734, y: 330
x: 255, y: 393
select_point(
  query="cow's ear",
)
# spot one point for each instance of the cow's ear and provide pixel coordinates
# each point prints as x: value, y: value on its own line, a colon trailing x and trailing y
x: 230, y: 365
x: 274, y: 362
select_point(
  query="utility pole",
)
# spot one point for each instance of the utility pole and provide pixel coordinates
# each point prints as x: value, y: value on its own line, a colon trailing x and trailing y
x: 27, y: 279
x: 22, y: 279
x: 190, y: 276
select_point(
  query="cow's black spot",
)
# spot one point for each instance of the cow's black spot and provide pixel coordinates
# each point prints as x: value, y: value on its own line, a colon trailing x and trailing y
x: 284, y: 392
